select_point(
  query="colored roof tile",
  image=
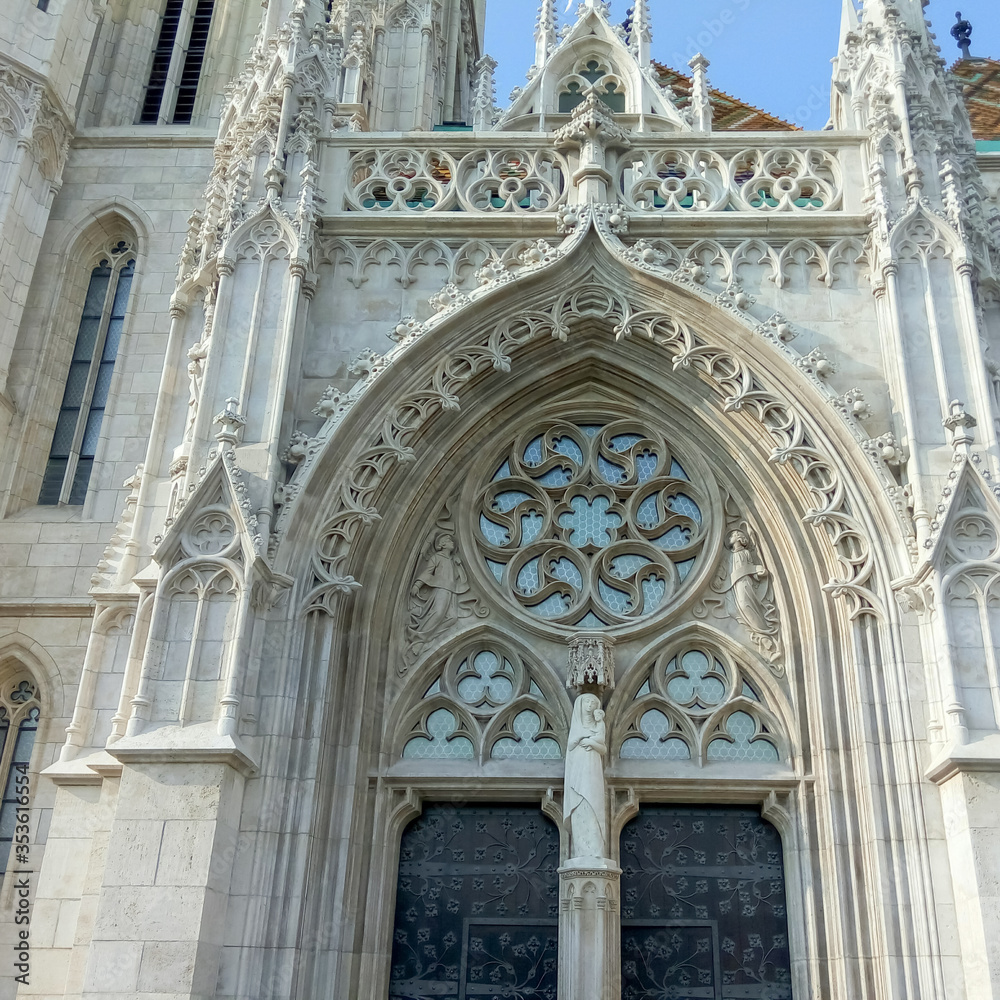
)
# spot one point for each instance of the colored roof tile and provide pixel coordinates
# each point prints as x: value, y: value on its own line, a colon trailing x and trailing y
x: 981, y: 85
x: 729, y: 113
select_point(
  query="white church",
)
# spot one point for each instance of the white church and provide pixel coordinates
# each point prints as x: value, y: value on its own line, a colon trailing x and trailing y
x: 548, y: 553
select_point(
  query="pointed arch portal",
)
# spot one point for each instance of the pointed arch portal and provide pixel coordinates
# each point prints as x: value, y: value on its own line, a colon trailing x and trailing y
x: 588, y: 400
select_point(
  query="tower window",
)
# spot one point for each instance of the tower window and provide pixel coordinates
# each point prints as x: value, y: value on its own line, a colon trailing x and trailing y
x: 177, y: 61
x: 78, y: 428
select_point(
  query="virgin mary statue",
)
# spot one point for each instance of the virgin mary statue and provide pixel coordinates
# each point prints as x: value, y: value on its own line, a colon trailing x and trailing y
x: 584, y: 806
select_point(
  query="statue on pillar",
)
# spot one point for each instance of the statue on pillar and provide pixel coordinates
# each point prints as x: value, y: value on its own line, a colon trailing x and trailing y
x: 584, y: 799
x: 591, y: 674
x: 589, y: 911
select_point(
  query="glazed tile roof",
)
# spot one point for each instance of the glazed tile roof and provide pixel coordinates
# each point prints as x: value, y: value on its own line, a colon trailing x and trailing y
x: 981, y: 80
x: 729, y: 113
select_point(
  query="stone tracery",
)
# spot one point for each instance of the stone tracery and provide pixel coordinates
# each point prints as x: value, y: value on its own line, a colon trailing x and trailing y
x: 696, y: 702
x: 591, y: 523
x: 484, y: 702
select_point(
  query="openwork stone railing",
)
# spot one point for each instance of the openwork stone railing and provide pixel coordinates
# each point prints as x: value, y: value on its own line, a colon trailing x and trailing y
x: 703, y: 180
x: 403, y: 179
x: 677, y: 174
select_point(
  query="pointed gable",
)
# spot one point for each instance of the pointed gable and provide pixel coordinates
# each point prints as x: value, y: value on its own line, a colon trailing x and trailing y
x: 593, y: 59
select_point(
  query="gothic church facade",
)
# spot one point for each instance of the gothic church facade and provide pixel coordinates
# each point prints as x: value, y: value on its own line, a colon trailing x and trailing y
x: 446, y: 551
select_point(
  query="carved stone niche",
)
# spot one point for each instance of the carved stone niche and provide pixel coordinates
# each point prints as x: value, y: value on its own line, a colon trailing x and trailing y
x: 591, y: 664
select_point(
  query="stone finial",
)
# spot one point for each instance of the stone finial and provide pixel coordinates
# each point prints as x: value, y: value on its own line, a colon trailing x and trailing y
x: 640, y: 32
x: 231, y: 421
x: 484, y: 97
x: 591, y: 663
x: 961, y: 424
x: 545, y: 32
x: 701, y: 103
x: 962, y: 33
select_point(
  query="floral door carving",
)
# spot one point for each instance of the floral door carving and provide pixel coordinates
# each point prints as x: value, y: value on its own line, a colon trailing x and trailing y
x: 477, y: 904
x: 703, y: 906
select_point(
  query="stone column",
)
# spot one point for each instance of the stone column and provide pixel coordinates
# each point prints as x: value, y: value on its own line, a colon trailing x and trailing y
x: 970, y: 799
x: 590, y: 881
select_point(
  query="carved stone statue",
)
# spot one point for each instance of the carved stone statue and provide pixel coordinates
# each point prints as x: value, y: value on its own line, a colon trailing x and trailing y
x: 743, y: 585
x: 439, y: 594
x: 749, y: 583
x: 584, y: 801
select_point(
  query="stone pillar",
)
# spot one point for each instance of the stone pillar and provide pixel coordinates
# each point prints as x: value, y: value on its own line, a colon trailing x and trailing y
x: 161, y: 914
x: 590, y: 961
x: 971, y: 803
x: 589, y: 882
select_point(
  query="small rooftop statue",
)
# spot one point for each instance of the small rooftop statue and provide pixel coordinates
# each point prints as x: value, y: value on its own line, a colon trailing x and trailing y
x: 962, y: 33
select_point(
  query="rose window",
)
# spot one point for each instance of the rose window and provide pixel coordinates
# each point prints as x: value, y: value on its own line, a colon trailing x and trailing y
x: 591, y: 524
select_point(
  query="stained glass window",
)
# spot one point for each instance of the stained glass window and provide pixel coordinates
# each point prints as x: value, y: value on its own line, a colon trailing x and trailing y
x: 484, y: 703
x: 477, y: 904
x: 726, y: 719
x: 703, y: 906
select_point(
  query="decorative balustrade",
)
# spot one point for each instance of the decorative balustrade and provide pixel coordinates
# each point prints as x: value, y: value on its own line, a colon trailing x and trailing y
x: 404, y: 179
x: 704, y: 180
x: 658, y: 174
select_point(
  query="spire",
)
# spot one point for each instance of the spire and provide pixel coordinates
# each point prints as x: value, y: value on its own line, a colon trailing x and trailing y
x: 849, y: 20
x: 484, y: 98
x: 701, y: 104
x: 640, y: 32
x: 545, y: 32
x: 962, y: 33
x: 908, y: 13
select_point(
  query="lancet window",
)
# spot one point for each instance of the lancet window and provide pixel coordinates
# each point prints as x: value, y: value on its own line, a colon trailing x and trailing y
x: 19, y: 717
x: 177, y: 61
x: 78, y: 426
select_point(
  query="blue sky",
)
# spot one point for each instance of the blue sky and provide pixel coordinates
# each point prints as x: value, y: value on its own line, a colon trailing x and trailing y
x: 774, y: 54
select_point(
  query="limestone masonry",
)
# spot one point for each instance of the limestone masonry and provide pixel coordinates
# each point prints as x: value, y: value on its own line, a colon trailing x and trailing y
x: 446, y: 551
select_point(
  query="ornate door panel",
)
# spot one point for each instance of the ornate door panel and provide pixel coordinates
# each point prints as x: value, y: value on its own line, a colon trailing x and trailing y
x: 477, y: 905
x: 703, y: 906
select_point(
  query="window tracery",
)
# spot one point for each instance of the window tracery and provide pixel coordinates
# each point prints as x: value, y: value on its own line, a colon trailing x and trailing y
x: 591, y: 523
x: 696, y: 703
x: 484, y: 703
x: 593, y: 77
